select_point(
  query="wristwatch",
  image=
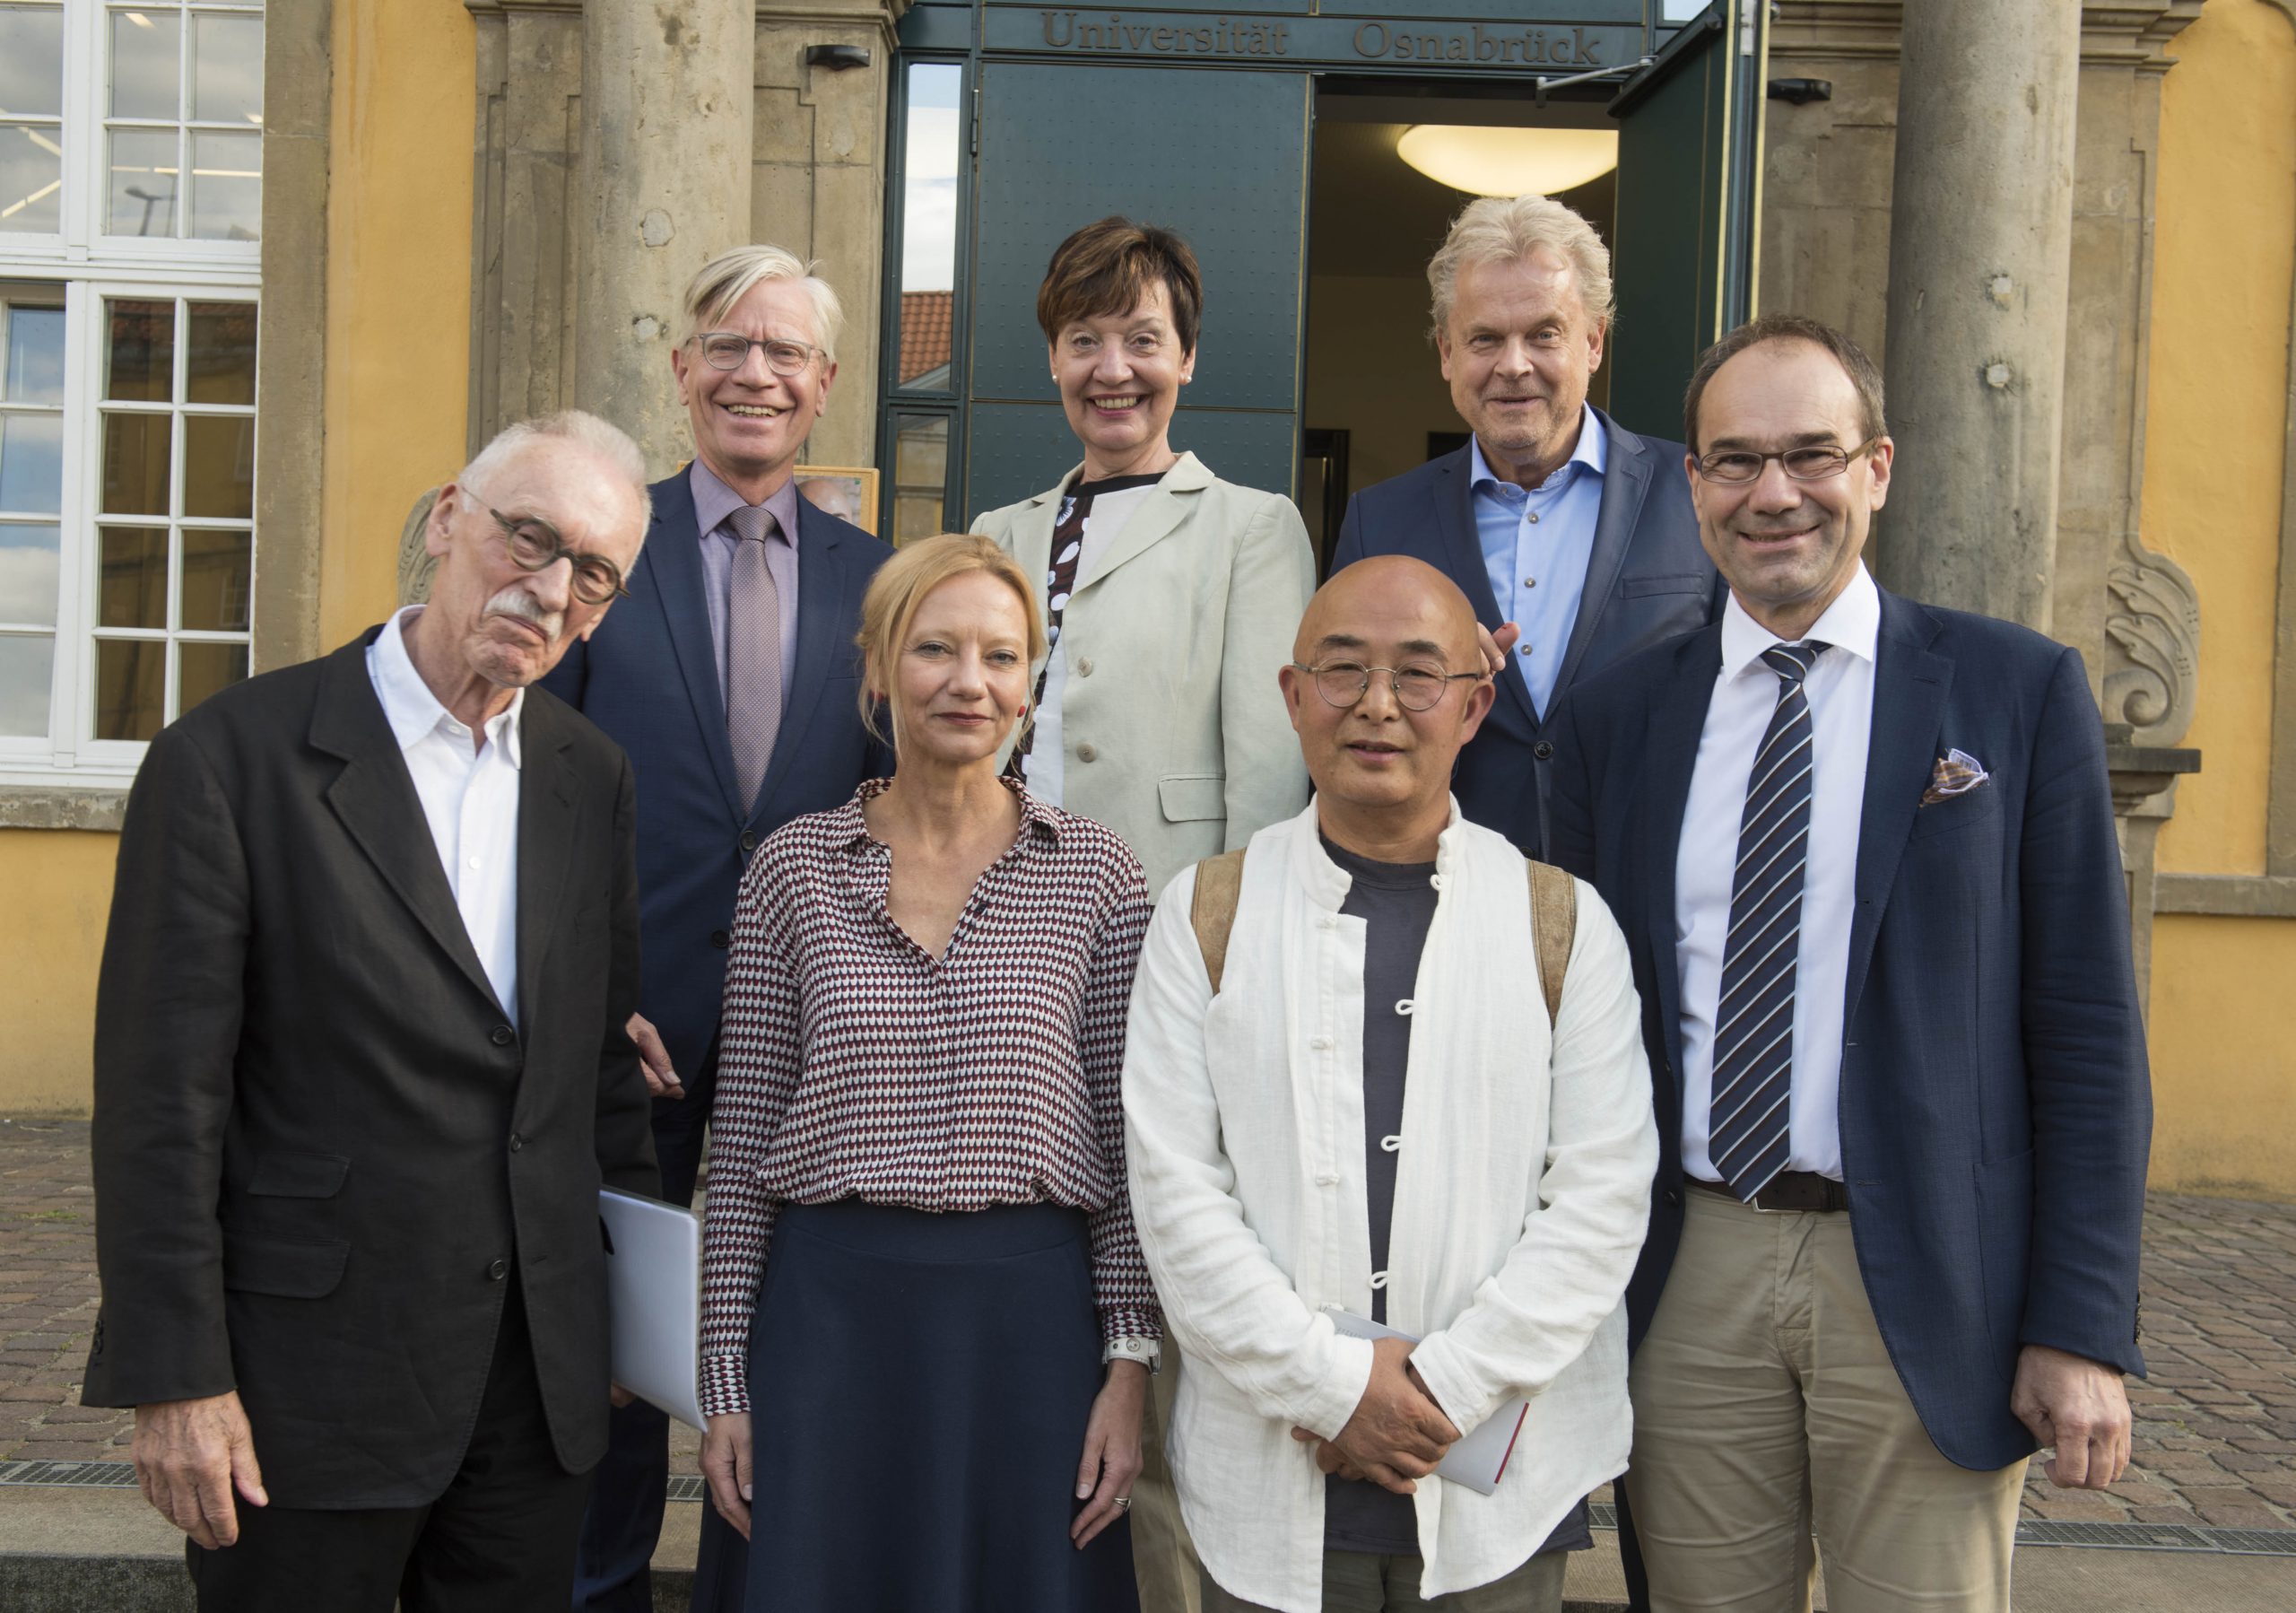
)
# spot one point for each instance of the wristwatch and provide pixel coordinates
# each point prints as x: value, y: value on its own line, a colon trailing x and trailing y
x: 1148, y: 1352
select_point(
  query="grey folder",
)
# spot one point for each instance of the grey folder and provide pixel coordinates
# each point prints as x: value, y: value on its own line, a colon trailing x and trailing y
x: 1479, y: 1460
x: 654, y: 1295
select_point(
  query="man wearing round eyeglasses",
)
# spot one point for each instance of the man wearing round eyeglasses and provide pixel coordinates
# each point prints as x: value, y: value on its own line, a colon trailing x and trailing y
x: 729, y: 676
x: 1369, y: 1109
x: 1864, y: 855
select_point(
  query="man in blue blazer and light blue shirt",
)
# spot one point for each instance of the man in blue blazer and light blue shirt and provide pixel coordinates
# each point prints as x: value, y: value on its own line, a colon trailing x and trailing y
x: 730, y: 678
x: 1864, y: 854
x: 1553, y: 520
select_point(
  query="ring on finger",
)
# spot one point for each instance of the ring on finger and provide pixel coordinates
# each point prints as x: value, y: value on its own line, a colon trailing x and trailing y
x: 1124, y: 1503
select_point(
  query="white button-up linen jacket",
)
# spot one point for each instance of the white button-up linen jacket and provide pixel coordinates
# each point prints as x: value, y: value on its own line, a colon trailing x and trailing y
x: 1522, y: 1194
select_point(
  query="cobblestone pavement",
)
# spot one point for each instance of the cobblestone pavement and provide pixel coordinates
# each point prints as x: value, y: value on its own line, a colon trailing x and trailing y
x: 2215, y: 1426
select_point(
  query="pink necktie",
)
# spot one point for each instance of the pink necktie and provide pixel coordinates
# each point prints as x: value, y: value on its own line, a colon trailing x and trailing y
x: 752, y: 652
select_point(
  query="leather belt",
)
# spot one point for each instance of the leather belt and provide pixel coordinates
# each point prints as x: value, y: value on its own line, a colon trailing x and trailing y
x: 1802, y: 1190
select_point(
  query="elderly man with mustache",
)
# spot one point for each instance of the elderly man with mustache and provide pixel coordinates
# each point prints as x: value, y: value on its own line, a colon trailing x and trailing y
x: 361, y: 1067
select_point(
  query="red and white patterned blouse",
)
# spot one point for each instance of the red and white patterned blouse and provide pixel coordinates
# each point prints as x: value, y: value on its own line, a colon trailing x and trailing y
x: 852, y: 1063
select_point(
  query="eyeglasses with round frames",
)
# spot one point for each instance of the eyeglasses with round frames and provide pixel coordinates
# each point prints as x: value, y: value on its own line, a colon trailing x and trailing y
x: 730, y: 350
x: 536, y: 545
x: 1813, y: 463
x: 1418, y: 688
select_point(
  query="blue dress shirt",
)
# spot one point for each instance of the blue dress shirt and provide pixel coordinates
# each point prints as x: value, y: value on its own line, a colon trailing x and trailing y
x: 1535, y: 546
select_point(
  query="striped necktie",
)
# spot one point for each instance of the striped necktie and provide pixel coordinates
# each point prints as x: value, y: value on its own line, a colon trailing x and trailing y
x: 1750, y: 1134
x: 752, y: 651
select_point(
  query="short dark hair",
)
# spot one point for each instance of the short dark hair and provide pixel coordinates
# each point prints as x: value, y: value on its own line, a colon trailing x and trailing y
x: 1108, y: 267
x: 1864, y: 373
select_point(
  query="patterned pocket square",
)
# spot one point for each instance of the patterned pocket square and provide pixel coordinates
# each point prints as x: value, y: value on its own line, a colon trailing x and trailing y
x: 1957, y: 773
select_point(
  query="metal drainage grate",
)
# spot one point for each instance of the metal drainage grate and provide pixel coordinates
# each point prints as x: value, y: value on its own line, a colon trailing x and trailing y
x: 81, y: 1475
x: 2031, y: 1531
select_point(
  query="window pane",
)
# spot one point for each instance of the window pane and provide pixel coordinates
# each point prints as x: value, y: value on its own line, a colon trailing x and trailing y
x: 31, y: 178
x: 33, y: 369
x: 929, y: 261
x: 27, y: 572
x: 207, y: 667
x: 31, y: 61
x: 143, y: 45
x: 25, y: 663
x: 226, y: 186
x: 132, y: 588
x: 136, y: 454
x: 143, y: 174
x: 219, y: 467
x: 227, y: 69
x: 218, y: 581
x: 222, y: 352
x: 31, y: 463
x: 140, y: 354
x: 131, y: 687
x: 920, y: 475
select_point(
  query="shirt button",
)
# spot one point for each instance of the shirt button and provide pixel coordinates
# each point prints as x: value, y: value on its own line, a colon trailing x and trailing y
x: 1530, y: 582
x: 1391, y: 1143
x: 498, y: 1269
x: 1378, y: 1280
x: 475, y: 861
x: 1524, y: 651
x: 516, y: 1142
x: 1533, y: 518
x: 1322, y: 1044
x: 1084, y: 667
x: 502, y: 1035
x: 1327, y: 923
x: 1329, y: 1179
x: 1085, y: 753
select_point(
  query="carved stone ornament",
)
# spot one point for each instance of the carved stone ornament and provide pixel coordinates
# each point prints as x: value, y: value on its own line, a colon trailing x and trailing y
x: 415, y: 563
x: 2155, y: 623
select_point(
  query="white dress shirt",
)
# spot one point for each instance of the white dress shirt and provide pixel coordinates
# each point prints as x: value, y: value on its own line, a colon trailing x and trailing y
x: 470, y: 796
x: 1840, y: 691
x: 1522, y: 1197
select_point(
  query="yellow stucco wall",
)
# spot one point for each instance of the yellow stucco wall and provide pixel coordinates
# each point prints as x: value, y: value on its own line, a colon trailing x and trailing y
x: 398, y: 288
x: 2224, y: 255
x: 49, y: 963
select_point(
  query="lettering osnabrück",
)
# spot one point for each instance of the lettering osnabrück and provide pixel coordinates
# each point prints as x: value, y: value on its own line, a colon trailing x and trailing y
x: 1374, y: 40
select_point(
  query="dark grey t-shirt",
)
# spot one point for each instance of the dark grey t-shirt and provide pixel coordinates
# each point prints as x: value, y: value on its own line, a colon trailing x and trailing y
x: 1397, y: 903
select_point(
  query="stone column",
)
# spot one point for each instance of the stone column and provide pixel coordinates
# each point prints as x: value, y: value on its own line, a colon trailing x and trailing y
x: 667, y: 109
x: 1981, y: 246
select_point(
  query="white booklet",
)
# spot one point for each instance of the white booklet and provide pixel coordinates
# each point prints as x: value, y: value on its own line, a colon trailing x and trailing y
x: 654, y: 1296
x: 1479, y: 1460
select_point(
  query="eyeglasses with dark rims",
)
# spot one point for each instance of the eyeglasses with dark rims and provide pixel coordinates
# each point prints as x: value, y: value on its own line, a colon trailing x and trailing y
x: 1419, y: 685
x: 1812, y: 462
x: 730, y: 350
x: 536, y: 545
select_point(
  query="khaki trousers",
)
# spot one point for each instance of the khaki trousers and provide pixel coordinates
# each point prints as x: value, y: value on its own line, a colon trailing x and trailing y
x: 1164, y: 1562
x: 1766, y: 1407
x: 1358, y: 1582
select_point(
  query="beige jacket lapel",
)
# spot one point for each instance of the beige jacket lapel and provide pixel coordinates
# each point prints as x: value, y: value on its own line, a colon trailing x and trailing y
x: 1031, y: 532
x: 1171, y: 503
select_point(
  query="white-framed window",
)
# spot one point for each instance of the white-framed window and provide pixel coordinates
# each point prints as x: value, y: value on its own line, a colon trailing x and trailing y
x: 131, y: 156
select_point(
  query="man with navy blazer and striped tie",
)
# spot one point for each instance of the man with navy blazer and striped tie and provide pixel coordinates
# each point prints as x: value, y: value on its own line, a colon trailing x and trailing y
x: 1863, y: 851
x: 731, y: 678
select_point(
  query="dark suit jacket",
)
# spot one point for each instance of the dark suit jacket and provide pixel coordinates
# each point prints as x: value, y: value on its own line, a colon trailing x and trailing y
x: 1648, y: 580
x: 649, y: 677
x: 1996, y: 1106
x: 321, y: 1153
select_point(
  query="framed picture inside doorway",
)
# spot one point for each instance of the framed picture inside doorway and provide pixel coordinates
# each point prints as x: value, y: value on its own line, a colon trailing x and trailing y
x: 849, y: 492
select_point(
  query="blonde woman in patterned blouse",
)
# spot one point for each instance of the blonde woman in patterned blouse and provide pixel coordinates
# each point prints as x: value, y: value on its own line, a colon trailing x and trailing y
x: 926, y: 1325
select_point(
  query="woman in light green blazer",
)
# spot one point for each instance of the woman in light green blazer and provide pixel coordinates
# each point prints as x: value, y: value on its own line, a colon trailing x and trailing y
x: 1171, y: 595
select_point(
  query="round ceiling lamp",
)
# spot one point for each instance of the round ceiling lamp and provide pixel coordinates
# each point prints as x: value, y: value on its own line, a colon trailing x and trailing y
x: 1507, y: 162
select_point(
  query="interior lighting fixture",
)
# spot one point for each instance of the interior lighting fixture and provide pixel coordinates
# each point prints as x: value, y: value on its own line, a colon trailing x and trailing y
x: 1508, y: 162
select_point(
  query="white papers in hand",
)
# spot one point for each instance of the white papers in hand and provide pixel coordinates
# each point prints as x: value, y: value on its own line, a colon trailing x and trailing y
x: 1479, y: 1459
x: 654, y: 1296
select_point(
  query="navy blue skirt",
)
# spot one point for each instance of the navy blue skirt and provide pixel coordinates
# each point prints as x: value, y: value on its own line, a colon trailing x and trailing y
x: 919, y: 1389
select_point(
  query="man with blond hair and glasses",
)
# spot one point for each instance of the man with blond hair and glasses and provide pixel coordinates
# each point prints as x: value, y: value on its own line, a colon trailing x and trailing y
x: 729, y: 676
x: 1863, y: 851
x: 1569, y: 534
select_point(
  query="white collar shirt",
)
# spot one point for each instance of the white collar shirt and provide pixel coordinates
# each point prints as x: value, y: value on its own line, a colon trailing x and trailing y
x: 470, y: 798
x: 1840, y: 691
x: 1522, y: 1197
